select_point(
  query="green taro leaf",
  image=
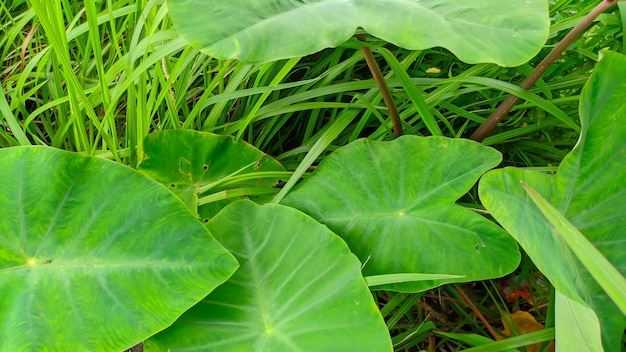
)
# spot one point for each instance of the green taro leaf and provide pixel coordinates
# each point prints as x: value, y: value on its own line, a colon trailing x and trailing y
x: 577, y: 325
x: 298, y: 289
x: 589, y: 188
x: 221, y: 169
x: 393, y: 203
x: 93, y: 255
x: 504, y: 32
x: 605, y: 274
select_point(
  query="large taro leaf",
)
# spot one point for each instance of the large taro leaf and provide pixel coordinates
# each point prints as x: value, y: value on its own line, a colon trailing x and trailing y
x: 394, y: 204
x: 503, y: 32
x: 93, y: 255
x: 298, y: 289
x: 223, y: 170
x: 589, y: 188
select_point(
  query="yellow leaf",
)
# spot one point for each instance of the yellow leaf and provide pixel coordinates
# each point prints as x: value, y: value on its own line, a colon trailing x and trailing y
x: 520, y: 323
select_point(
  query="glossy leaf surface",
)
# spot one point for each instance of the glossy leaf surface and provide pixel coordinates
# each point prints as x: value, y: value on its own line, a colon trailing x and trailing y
x: 503, y: 32
x: 298, y: 289
x: 588, y: 188
x: 394, y: 204
x: 189, y: 162
x: 89, y: 263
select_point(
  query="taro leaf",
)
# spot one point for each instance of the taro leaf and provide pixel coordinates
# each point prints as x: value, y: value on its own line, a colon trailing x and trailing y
x: 577, y: 325
x: 589, y: 188
x: 504, y: 32
x: 604, y: 273
x: 298, y: 289
x: 189, y: 162
x: 93, y: 255
x: 393, y: 203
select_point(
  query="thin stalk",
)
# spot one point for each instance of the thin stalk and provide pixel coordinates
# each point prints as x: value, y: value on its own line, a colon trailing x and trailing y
x: 487, y: 128
x: 383, y: 87
x: 476, y: 311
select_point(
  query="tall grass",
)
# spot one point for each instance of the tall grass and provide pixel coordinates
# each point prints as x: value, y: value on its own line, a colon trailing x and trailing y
x: 97, y: 77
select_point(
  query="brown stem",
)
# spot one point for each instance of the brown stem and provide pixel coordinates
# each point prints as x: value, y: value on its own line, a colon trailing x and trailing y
x: 479, y: 315
x: 487, y: 128
x: 383, y: 87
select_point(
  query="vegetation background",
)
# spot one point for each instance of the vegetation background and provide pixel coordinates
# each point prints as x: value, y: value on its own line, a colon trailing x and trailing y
x: 106, y: 73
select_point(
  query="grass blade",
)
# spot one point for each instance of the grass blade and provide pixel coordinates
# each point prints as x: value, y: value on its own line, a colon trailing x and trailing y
x: 14, y: 125
x: 377, y: 280
x: 505, y: 344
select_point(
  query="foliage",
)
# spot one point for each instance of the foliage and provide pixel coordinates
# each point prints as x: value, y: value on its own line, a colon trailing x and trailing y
x: 299, y: 289
x: 221, y: 170
x: 265, y: 30
x: 486, y: 250
x: 98, y: 77
x: 87, y: 262
x: 588, y: 191
x: 387, y: 199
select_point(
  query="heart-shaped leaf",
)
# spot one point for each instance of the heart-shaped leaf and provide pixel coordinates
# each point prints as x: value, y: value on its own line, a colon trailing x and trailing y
x: 298, y: 289
x: 93, y: 255
x: 393, y: 203
x: 216, y: 166
x: 504, y: 32
x: 588, y: 188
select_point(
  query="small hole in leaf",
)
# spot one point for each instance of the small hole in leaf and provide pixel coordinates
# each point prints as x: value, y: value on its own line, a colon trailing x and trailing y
x: 205, y: 167
x: 172, y: 185
x: 206, y: 220
x: 479, y: 246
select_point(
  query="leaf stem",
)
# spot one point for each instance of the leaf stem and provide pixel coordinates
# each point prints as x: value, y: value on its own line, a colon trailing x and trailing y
x: 383, y: 87
x: 487, y: 128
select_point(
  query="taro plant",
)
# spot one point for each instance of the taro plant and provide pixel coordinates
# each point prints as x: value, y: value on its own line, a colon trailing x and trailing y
x: 381, y: 198
x: 259, y: 31
x: 87, y: 263
x: 294, y: 289
x: 572, y: 223
x: 214, y: 167
x: 386, y: 199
